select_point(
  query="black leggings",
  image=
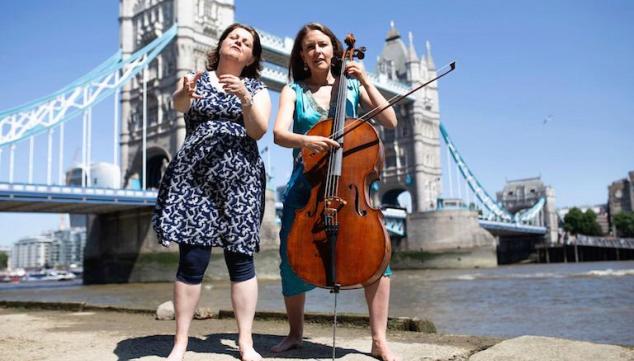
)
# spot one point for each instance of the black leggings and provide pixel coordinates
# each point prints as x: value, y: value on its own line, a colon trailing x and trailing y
x: 193, y: 261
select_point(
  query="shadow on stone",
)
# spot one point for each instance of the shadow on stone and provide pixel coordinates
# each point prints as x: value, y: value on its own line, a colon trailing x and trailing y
x: 223, y: 344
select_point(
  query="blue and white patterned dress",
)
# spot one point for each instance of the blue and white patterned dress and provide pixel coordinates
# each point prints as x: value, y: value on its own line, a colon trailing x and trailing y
x: 212, y: 193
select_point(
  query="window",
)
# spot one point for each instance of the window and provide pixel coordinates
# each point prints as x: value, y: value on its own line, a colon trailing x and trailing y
x: 388, y: 135
x: 390, y: 161
x: 403, y: 160
x: 405, y: 130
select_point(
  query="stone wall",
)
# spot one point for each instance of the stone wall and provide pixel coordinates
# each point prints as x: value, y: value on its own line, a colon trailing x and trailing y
x: 448, y: 239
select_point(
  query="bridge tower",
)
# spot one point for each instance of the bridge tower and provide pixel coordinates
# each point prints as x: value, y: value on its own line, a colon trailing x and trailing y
x: 200, y: 23
x: 412, y: 150
x: 523, y: 193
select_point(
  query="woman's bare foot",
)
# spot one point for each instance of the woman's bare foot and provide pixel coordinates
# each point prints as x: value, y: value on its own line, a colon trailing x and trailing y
x: 178, y: 352
x: 381, y: 351
x: 288, y: 343
x: 248, y: 353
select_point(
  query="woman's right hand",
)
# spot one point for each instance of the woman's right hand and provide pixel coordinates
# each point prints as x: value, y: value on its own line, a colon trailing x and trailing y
x: 318, y: 143
x: 189, y: 86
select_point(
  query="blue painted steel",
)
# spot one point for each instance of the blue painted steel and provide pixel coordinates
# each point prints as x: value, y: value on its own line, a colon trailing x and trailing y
x: 77, y: 195
x: 474, y: 184
x: 114, y: 59
x: 512, y: 227
x: 107, y: 69
x: 395, y: 226
x: 528, y: 214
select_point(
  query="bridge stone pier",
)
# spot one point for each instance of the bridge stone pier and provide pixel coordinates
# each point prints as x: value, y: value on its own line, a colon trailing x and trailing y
x: 449, y: 238
x: 122, y: 247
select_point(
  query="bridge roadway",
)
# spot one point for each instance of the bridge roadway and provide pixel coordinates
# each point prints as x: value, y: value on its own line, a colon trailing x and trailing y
x: 18, y: 197
x: 66, y: 199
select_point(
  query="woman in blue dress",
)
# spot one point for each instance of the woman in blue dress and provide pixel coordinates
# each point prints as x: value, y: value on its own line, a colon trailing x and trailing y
x: 212, y: 193
x: 303, y: 103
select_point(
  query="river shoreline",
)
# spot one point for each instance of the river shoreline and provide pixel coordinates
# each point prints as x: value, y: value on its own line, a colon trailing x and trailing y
x: 585, y: 302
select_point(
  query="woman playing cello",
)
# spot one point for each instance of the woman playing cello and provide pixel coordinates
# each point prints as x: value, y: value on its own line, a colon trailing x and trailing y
x: 303, y: 103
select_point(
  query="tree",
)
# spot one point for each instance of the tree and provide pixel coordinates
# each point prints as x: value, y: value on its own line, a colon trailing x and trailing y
x: 4, y: 258
x: 578, y: 222
x: 573, y: 220
x: 624, y: 223
x: 591, y: 226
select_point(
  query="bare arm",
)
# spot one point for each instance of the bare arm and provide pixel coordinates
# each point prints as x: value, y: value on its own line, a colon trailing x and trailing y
x: 256, y: 113
x: 283, y: 136
x: 371, y: 97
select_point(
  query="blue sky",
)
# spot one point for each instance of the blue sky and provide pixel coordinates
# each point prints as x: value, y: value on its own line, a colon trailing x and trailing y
x: 518, y: 63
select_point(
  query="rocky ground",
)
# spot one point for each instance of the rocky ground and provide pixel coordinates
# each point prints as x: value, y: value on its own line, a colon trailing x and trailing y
x: 35, y: 334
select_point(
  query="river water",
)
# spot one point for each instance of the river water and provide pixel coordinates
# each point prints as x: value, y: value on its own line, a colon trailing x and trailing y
x: 585, y: 301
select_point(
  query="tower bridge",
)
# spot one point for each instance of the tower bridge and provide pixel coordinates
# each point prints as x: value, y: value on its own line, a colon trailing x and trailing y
x: 161, y: 41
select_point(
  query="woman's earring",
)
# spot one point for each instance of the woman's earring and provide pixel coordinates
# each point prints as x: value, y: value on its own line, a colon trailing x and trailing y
x: 305, y: 67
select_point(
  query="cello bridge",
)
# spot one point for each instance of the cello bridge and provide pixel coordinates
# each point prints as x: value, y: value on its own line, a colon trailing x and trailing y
x: 333, y: 205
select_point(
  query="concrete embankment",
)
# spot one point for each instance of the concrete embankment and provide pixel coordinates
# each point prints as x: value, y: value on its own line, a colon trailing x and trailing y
x: 61, y: 332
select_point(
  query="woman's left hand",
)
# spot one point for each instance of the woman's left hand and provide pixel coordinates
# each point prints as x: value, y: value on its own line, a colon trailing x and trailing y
x: 234, y: 85
x: 357, y: 70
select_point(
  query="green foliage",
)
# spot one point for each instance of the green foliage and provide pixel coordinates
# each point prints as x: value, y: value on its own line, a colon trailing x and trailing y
x: 624, y: 223
x: 578, y: 222
x: 4, y: 259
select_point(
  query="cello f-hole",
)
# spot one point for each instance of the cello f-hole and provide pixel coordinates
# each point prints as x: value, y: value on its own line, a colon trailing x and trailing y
x: 357, y: 201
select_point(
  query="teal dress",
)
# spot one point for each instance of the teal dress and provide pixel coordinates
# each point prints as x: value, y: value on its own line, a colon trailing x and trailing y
x: 307, y: 113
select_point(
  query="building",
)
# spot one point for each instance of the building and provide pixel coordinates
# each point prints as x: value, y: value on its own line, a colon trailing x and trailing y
x: 412, y: 149
x: 70, y: 246
x: 524, y: 193
x: 33, y: 252
x: 99, y: 175
x: 621, y: 196
x: 200, y: 24
x: 61, y: 248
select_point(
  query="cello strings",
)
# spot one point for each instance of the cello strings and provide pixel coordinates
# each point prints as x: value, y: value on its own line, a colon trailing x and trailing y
x: 331, y: 181
x: 341, y: 121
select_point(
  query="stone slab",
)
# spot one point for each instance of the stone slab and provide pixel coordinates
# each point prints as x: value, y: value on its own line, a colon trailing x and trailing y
x: 536, y: 348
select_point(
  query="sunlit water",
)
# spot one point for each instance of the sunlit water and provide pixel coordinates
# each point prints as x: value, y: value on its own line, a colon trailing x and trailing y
x: 584, y: 301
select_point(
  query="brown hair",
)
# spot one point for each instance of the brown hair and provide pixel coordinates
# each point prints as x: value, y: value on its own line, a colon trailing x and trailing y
x: 252, y: 70
x: 296, y: 70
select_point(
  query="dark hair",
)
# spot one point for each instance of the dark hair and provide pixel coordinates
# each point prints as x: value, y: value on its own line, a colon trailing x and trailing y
x: 251, y: 71
x: 296, y: 70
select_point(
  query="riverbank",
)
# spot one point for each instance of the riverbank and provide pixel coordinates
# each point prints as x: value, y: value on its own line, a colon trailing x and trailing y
x: 35, y: 334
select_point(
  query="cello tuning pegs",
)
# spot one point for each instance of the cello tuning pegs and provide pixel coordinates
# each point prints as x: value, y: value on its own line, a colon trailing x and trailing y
x: 360, y: 53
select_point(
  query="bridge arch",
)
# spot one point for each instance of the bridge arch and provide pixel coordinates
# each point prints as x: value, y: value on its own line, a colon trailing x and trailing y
x: 157, y: 160
x: 399, y: 197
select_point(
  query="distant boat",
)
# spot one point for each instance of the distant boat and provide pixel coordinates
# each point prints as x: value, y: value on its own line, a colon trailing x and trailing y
x: 49, y: 275
x: 65, y: 276
x: 13, y: 276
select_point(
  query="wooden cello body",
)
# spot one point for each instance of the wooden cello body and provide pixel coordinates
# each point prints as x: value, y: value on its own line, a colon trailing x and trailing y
x: 362, y: 249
